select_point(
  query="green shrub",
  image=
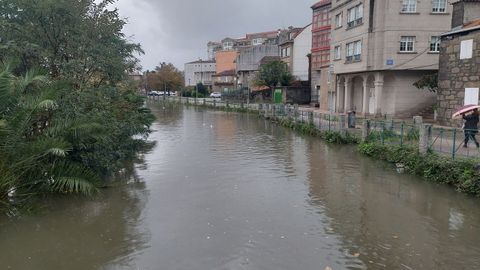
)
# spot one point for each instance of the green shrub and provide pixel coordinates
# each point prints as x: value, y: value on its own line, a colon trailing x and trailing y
x: 461, y: 174
x: 337, y: 137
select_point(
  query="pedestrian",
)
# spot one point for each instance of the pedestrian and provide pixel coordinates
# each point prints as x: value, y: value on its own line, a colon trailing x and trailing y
x: 470, y: 127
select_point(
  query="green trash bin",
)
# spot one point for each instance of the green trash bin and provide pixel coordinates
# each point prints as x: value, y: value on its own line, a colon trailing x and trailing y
x: 278, y: 96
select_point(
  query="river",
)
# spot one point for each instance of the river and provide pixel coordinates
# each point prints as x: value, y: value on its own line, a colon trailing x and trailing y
x: 232, y: 191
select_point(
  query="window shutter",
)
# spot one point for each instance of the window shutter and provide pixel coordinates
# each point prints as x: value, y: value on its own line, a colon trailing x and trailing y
x: 466, y: 49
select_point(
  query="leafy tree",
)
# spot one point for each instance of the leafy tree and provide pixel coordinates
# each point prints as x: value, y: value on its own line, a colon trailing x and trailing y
x: 65, y: 131
x: 202, y: 89
x: 429, y: 82
x: 273, y: 74
x: 77, y: 40
x: 165, y: 77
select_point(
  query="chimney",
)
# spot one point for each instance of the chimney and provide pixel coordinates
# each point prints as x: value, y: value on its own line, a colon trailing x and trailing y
x: 465, y: 11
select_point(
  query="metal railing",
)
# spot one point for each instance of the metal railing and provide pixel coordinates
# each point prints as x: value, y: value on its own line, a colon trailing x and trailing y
x: 441, y: 140
x: 454, y: 142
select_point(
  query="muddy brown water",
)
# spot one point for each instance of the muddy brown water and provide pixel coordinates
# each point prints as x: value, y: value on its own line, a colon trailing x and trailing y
x: 232, y: 191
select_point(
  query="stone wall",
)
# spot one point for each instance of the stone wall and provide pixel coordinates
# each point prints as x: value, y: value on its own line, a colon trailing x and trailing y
x: 455, y: 75
x: 296, y: 95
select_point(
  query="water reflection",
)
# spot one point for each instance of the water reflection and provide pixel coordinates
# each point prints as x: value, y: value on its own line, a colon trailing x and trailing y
x: 392, y: 221
x: 78, y: 233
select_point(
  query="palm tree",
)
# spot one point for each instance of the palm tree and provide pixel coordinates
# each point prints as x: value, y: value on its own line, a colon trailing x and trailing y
x: 34, y: 150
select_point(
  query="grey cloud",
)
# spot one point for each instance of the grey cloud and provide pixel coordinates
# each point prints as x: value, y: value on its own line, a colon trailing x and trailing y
x: 177, y: 30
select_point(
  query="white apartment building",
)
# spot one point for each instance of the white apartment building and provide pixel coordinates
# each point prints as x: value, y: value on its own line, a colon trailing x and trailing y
x: 200, y: 71
x: 380, y: 48
x: 302, y: 45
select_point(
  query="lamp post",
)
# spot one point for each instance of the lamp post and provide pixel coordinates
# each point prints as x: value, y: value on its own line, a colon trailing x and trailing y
x: 164, y: 90
x: 196, y: 93
x: 189, y: 84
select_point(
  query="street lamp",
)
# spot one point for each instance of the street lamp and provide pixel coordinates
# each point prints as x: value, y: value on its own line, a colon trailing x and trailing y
x: 196, y: 93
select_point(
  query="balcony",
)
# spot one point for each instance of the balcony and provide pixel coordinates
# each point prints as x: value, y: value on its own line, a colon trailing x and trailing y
x: 353, y: 58
x: 354, y: 23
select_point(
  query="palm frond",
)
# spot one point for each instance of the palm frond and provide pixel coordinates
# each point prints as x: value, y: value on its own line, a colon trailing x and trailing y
x: 42, y: 147
x: 73, y: 178
x: 30, y: 79
x: 72, y: 184
x: 58, y: 152
x: 47, y: 105
x: 6, y: 96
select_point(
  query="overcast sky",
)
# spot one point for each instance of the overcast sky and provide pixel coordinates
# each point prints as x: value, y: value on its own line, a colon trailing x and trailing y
x: 177, y: 31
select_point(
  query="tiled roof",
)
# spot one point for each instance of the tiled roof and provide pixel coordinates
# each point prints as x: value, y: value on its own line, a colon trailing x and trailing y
x: 202, y: 62
x: 259, y: 88
x: 268, y: 59
x: 262, y: 34
x: 472, y: 23
x: 225, y: 73
x: 471, y: 26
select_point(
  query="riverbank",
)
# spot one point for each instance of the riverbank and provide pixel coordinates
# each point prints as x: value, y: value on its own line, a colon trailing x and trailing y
x: 380, y: 141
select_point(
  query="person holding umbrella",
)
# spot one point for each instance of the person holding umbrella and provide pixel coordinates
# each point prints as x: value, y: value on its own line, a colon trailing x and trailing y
x: 470, y: 127
x: 470, y: 114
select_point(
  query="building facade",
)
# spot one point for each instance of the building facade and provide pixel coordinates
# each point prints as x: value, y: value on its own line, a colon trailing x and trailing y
x: 302, y: 45
x: 237, y: 59
x: 459, y: 71
x: 225, y: 75
x: 249, y: 60
x: 224, y: 81
x: 322, y: 94
x: 233, y: 44
x: 200, y: 71
x: 212, y: 48
x: 381, y: 48
x: 285, y: 45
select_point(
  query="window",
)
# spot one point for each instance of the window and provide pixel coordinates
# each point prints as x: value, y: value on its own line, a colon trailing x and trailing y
x: 354, y: 51
x: 320, y: 59
x: 286, y: 52
x: 355, y: 16
x: 407, y: 44
x: 409, y: 6
x: 257, y: 41
x: 349, y: 51
x: 228, y: 45
x: 435, y: 44
x: 439, y: 6
x: 338, y: 20
x: 358, y: 51
x: 321, y: 40
x: 321, y: 18
x: 337, y: 53
x: 466, y: 49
